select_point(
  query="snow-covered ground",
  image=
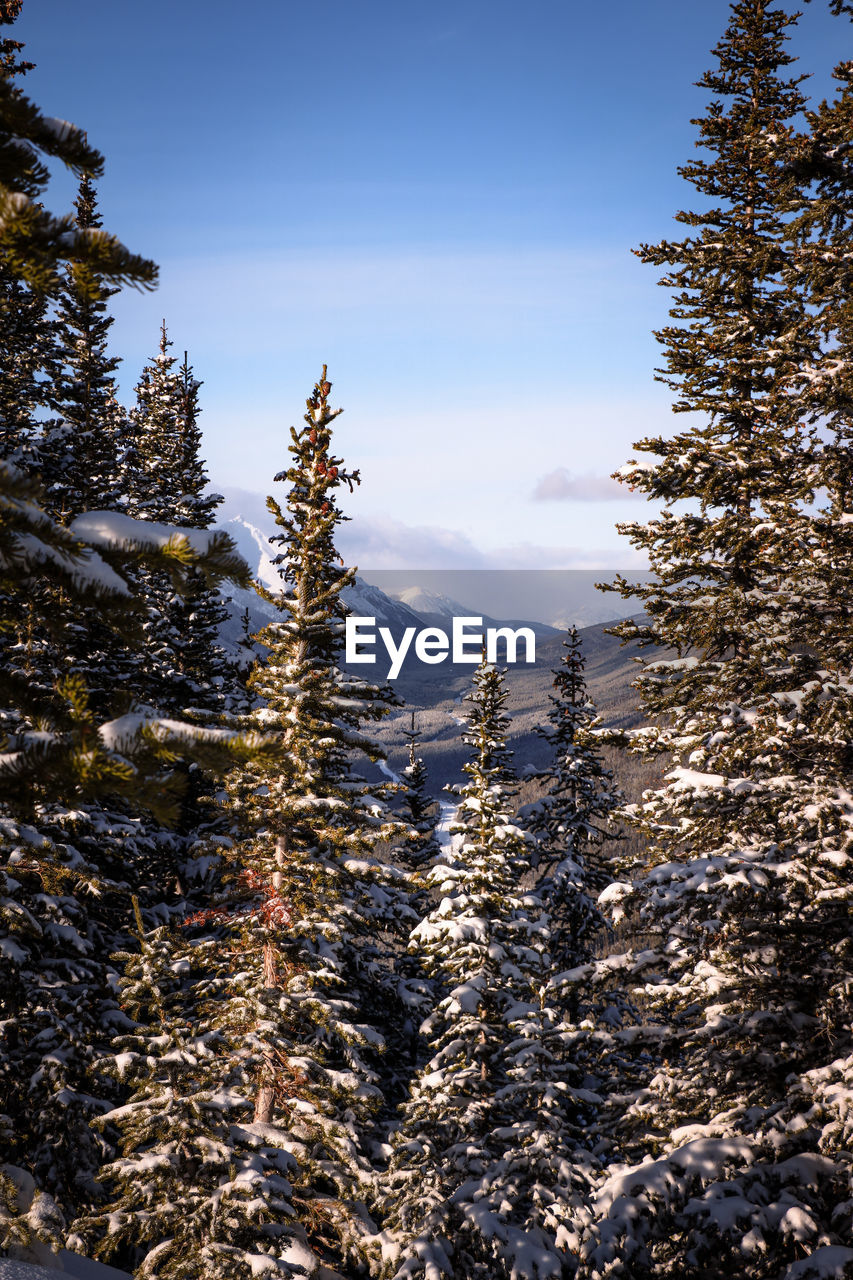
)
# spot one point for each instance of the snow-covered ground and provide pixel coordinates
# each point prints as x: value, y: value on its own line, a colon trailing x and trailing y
x: 67, y: 1264
x: 11, y: 1270
x: 447, y: 809
x: 442, y: 827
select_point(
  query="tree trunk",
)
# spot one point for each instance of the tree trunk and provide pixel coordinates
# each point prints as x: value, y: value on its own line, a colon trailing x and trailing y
x: 265, y: 1100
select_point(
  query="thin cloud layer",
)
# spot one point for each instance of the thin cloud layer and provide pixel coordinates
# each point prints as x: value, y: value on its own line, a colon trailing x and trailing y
x: 390, y: 544
x: 529, y: 555
x: 373, y: 543
x: 562, y: 485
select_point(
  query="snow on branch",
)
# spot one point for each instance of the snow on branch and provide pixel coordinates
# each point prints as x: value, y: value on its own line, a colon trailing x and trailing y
x: 113, y: 531
x: 210, y: 550
x: 123, y: 733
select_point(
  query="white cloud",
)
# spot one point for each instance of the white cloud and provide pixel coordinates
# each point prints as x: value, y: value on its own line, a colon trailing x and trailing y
x: 374, y: 543
x: 527, y: 555
x: 562, y: 485
x: 390, y: 544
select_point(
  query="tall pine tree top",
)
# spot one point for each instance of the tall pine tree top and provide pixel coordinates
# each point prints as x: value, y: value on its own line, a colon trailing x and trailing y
x: 33, y: 241
x: 745, y: 951
x: 82, y: 453
x: 166, y: 465
x: 311, y: 825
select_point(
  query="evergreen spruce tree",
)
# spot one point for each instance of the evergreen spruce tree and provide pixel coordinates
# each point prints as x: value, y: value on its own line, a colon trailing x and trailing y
x: 33, y: 241
x: 67, y: 852
x: 33, y: 246
x: 742, y: 912
x: 317, y: 830
x: 574, y: 818
x: 27, y: 361
x: 170, y: 481
x: 492, y: 1160
x: 299, y: 1007
x: 420, y: 808
x: 201, y: 1189
x: 186, y: 665
x: 81, y: 456
x: 74, y: 783
x: 196, y: 505
x: 207, y: 680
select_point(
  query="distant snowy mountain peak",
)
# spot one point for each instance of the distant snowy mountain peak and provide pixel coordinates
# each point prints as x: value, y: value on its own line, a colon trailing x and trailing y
x: 365, y: 601
x: 423, y: 601
x: 432, y: 606
x: 254, y: 545
x: 361, y: 598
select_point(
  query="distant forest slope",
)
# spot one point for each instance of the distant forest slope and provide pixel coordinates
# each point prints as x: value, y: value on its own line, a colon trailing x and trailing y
x: 436, y: 694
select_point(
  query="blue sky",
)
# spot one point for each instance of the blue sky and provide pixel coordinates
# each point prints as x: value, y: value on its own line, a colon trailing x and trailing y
x: 439, y: 202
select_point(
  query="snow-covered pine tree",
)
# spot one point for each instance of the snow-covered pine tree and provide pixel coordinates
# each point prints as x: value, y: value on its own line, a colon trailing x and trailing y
x: 313, y: 990
x: 81, y: 456
x: 573, y: 820
x: 491, y: 1160
x: 187, y: 666
x: 744, y: 908
x: 206, y: 679
x: 420, y: 808
x: 201, y: 1190
x: 24, y: 352
x: 34, y: 242
x: 66, y: 855
x: 321, y: 827
x: 27, y: 360
x: 153, y: 466
x: 171, y: 479
x: 196, y: 504
x: 82, y: 453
